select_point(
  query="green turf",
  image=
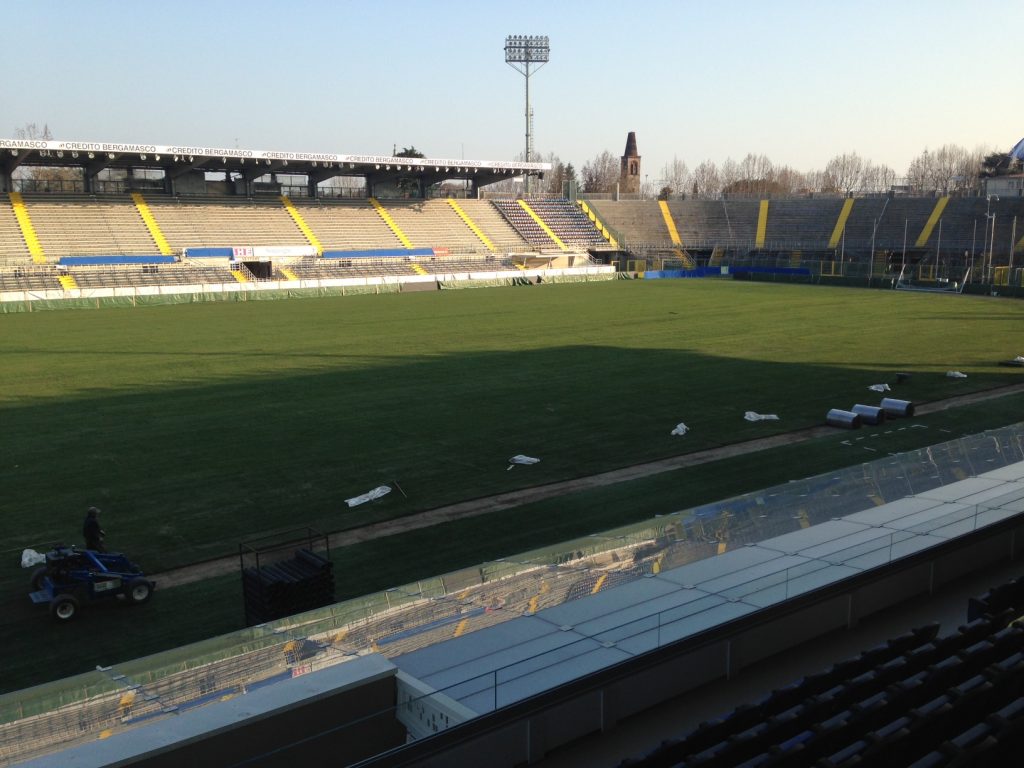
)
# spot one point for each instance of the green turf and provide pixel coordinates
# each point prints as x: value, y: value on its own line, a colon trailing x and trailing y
x: 37, y: 650
x: 194, y: 427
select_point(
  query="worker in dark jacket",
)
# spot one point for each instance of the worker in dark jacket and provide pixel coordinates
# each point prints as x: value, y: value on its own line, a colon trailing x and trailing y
x: 91, y: 530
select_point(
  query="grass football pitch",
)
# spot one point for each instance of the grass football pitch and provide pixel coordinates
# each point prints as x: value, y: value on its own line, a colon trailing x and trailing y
x: 196, y: 427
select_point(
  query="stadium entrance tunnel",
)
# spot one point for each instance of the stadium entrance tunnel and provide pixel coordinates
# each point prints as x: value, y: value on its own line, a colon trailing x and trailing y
x: 261, y: 270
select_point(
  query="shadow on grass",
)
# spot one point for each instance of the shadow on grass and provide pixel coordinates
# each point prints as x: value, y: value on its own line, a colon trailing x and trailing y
x: 184, y: 474
x: 39, y: 650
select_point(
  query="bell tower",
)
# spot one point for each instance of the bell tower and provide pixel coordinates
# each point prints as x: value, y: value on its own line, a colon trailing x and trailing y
x: 629, y: 172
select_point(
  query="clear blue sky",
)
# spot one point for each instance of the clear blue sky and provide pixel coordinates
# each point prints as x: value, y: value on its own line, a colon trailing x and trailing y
x: 798, y: 81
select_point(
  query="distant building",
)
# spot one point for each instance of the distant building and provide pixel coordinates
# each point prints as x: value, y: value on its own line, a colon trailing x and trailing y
x: 629, y: 173
x: 1005, y: 186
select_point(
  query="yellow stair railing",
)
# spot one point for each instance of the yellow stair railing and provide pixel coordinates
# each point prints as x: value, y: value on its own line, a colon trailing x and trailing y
x: 685, y: 257
x: 28, y: 232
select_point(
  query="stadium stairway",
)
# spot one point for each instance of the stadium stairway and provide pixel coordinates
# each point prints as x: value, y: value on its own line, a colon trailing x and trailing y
x: 154, y: 229
x: 28, y: 231
x: 471, y: 224
x: 540, y: 223
x: 605, y: 231
x: 670, y: 224
x: 390, y: 222
x: 840, y: 228
x: 762, y: 224
x: 301, y: 224
x: 933, y: 219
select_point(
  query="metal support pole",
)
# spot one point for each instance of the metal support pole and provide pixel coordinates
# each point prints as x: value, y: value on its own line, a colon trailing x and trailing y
x: 992, y: 249
x: 526, y: 159
x: 1013, y: 240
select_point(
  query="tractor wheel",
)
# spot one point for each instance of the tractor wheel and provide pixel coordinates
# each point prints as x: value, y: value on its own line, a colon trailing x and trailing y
x: 139, y: 591
x: 36, y: 579
x: 64, y: 607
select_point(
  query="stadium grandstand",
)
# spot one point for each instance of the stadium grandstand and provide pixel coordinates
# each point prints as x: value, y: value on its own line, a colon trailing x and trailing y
x: 142, y: 221
x: 537, y: 657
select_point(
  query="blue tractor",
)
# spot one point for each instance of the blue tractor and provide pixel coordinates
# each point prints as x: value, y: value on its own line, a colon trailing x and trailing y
x: 73, y: 576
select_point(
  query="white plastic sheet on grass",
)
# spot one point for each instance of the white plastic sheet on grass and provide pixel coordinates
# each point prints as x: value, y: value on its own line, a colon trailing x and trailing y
x: 681, y: 429
x: 376, y: 493
x: 754, y: 416
x: 522, y: 460
x: 30, y: 558
x: 879, y: 388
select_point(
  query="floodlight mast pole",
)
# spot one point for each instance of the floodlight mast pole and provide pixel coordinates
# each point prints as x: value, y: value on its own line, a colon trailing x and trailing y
x: 520, y: 52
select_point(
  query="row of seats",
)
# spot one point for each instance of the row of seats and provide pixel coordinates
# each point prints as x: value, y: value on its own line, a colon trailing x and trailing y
x: 23, y: 278
x: 75, y: 225
x: 918, y: 699
x: 568, y: 222
x: 879, y: 222
x: 524, y: 224
x: 104, y: 277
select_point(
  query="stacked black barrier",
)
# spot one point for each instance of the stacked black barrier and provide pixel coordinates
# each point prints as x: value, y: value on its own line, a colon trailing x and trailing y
x: 280, y: 580
x: 286, y: 587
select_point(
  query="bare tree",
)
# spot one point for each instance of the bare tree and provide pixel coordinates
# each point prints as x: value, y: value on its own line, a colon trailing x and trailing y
x: 729, y: 173
x: 949, y: 162
x: 846, y: 171
x: 790, y: 181
x: 707, y: 182
x: 33, y: 131
x: 877, y: 178
x: 920, y: 172
x: 44, y: 178
x: 601, y: 174
x: 676, y: 176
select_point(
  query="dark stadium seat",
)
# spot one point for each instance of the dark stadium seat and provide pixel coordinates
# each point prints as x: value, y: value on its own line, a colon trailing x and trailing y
x: 896, y: 701
x: 997, y: 599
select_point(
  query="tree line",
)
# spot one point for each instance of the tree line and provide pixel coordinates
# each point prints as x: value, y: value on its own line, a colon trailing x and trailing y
x: 950, y: 169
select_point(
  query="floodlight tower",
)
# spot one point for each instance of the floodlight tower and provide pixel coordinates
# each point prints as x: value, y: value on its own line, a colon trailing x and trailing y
x: 520, y: 52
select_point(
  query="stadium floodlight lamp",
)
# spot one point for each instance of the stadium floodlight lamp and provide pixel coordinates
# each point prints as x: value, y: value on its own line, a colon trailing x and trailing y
x: 520, y: 52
